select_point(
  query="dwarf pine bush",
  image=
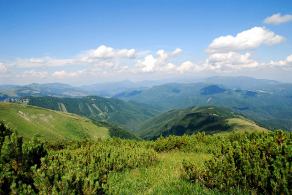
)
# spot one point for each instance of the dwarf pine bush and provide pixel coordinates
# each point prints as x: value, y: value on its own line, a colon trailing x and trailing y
x: 256, y: 162
x: 16, y: 162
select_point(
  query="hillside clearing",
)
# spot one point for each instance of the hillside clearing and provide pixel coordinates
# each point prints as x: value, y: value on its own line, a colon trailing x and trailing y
x: 48, y: 124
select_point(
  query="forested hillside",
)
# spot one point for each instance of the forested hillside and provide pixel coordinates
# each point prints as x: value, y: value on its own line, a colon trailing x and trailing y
x: 196, y: 119
x: 127, y: 115
x: 266, y: 102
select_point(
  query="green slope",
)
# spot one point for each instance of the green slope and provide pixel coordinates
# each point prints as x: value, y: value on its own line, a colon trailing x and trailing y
x: 190, y: 120
x: 127, y: 115
x: 269, y: 105
x: 50, y: 125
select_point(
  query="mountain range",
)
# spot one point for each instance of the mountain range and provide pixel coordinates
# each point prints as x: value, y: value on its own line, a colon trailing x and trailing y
x: 129, y: 104
x: 267, y: 102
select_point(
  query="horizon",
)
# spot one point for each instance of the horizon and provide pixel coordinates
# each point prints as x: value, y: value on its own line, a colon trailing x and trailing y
x: 154, y: 82
x: 85, y: 42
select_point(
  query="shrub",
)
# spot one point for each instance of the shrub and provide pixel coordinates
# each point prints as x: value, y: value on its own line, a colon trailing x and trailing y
x: 85, y: 170
x: 198, y: 142
x: 256, y: 162
x: 16, y: 160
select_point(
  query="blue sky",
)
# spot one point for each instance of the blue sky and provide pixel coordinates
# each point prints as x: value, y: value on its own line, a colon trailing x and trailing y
x: 53, y: 34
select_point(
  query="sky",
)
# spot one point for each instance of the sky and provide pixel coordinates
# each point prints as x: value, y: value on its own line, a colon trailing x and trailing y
x: 86, y: 41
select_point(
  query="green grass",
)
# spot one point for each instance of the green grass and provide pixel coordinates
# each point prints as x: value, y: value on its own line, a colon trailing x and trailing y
x: 162, y: 178
x: 243, y: 124
x: 209, y: 119
x: 127, y: 115
x: 51, y: 126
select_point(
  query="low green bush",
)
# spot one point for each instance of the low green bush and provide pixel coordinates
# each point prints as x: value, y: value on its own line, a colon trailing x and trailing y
x: 255, y: 162
x: 16, y: 162
x: 199, y: 142
x: 85, y: 170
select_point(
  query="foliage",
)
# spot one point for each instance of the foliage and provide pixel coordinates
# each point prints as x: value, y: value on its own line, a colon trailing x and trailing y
x: 128, y: 115
x: 190, y: 120
x: 121, y: 133
x: 258, y: 162
x: 271, y: 107
x: 16, y: 161
x: 162, y: 178
x: 199, y: 143
x: 235, y: 163
x: 85, y: 170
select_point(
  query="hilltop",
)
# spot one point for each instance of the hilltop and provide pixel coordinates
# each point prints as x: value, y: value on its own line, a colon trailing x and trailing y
x: 267, y: 102
x: 209, y: 119
x: 50, y: 125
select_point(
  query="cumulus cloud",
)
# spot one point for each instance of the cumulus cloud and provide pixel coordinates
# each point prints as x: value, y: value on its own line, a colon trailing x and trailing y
x: 228, y: 53
x: 230, y: 61
x: 283, y: 63
x: 176, y: 52
x: 3, y: 68
x: 104, y: 51
x: 90, y: 56
x: 225, y: 53
x: 186, y: 66
x: 34, y: 74
x: 43, y: 62
x: 278, y: 19
x: 66, y: 74
x: 148, y: 64
x: 248, y: 39
x: 161, y: 62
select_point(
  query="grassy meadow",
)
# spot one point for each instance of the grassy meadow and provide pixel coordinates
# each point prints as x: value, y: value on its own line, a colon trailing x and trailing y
x: 49, y: 125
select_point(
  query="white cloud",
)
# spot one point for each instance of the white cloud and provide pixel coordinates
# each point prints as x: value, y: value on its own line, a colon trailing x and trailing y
x: 43, y: 62
x: 248, y: 39
x: 185, y: 67
x: 148, y: 64
x: 159, y: 63
x: 225, y: 54
x: 90, y: 56
x: 230, y: 61
x: 278, y: 19
x: 282, y: 63
x: 65, y: 74
x: 34, y: 74
x: 3, y: 68
x: 104, y: 51
x: 176, y: 52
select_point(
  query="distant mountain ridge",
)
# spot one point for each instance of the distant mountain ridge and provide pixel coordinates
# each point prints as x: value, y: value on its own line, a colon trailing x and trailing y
x: 38, y: 90
x: 65, y: 90
x: 269, y: 103
x: 209, y: 119
x: 128, y: 115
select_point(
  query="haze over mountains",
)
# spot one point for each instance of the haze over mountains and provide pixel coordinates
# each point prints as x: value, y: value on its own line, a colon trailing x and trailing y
x: 66, y: 90
x: 128, y: 104
x: 111, y: 89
